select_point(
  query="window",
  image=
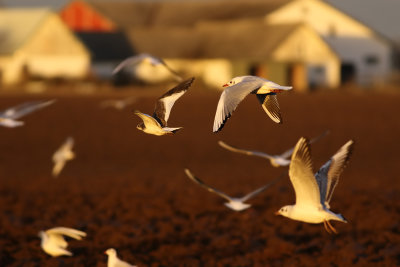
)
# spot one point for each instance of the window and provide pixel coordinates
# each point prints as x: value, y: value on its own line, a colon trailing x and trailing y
x: 371, y: 60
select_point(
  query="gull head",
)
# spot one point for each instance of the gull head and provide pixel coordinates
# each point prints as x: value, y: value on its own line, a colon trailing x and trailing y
x: 285, y: 211
x: 41, y: 234
x: 237, y: 205
x: 235, y: 81
x: 110, y: 252
x: 140, y: 126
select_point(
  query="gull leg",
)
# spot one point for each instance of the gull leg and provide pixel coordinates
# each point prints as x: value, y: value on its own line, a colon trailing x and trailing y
x: 327, y: 228
x: 331, y: 227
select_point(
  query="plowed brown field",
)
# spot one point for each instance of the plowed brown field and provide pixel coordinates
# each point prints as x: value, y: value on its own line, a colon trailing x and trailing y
x: 127, y: 190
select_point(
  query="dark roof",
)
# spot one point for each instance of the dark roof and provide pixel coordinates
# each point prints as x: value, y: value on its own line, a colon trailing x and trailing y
x: 239, y: 39
x: 106, y: 46
x: 182, y: 13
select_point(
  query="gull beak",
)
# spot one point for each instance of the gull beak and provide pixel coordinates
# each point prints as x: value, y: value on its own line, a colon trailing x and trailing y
x: 225, y: 85
x: 277, y: 213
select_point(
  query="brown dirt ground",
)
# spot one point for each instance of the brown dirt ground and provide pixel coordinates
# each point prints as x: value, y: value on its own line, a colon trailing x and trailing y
x: 127, y: 190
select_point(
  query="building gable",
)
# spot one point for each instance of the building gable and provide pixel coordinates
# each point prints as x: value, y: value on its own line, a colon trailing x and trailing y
x: 17, y: 26
x: 304, y: 45
x: 81, y: 17
x: 52, y: 37
x: 324, y: 18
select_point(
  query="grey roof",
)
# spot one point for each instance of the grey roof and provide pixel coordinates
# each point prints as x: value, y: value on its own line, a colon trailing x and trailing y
x: 17, y: 25
x: 239, y: 39
x: 182, y: 13
x: 106, y: 46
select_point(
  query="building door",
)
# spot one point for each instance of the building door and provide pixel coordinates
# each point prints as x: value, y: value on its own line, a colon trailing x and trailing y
x: 259, y: 70
x: 347, y: 73
x: 297, y: 74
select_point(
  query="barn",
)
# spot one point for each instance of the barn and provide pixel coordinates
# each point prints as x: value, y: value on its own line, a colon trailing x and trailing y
x: 36, y: 44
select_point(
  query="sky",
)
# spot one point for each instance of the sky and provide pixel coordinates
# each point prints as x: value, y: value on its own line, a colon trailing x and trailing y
x: 380, y: 15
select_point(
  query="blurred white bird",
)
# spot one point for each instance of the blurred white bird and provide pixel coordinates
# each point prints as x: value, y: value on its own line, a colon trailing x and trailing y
x: 236, y: 204
x: 314, y: 192
x: 238, y: 88
x: 134, y: 60
x: 114, y: 261
x: 53, y: 242
x: 62, y: 155
x: 157, y: 124
x: 8, y: 117
x: 118, y: 104
x: 276, y: 160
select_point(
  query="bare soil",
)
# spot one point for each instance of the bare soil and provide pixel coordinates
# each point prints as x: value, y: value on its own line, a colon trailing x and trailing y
x: 127, y: 190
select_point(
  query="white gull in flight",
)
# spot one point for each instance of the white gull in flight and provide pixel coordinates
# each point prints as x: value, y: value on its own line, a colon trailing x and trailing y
x: 114, y: 261
x: 53, y: 242
x: 236, y: 204
x: 157, y: 124
x: 62, y: 155
x: 238, y: 88
x: 276, y: 160
x: 9, y: 117
x: 118, y: 104
x: 134, y: 60
x: 314, y: 192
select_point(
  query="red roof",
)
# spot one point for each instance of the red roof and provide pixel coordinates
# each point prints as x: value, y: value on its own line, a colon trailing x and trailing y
x: 81, y: 17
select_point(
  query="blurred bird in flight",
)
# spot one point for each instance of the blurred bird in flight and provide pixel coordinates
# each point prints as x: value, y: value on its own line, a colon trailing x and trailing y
x: 118, y: 104
x: 9, y: 117
x: 114, y: 261
x: 53, y: 242
x: 236, y: 204
x: 62, y: 155
x: 154, y: 61
x: 275, y: 160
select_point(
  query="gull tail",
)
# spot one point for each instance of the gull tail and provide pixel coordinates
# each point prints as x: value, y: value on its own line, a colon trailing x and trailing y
x: 172, y: 130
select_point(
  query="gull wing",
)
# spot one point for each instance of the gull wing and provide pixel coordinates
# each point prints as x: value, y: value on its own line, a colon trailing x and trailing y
x: 230, y: 99
x: 289, y: 152
x: 68, y: 144
x: 58, y: 166
x: 208, y: 188
x: 269, y: 103
x: 121, y: 263
x: 70, y: 232
x: 147, y: 118
x: 166, y: 101
x: 259, y: 190
x: 129, y: 61
x: 328, y: 175
x: 243, y: 151
x: 176, y: 75
x: 118, y: 103
x: 24, y: 109
x: 301, y: 175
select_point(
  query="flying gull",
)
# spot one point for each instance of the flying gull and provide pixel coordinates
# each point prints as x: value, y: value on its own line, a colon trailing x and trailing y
x: 134, y: 60
x: 314, y: 192
x: 9, y: 117
x: 276, y: 160
x: 53, y: 242
x: 118, y: 104
x: 238, y: 88
x: 157, y: 124
x: 114, y: 261
x: 62, y: 155
x: 236, y: 204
